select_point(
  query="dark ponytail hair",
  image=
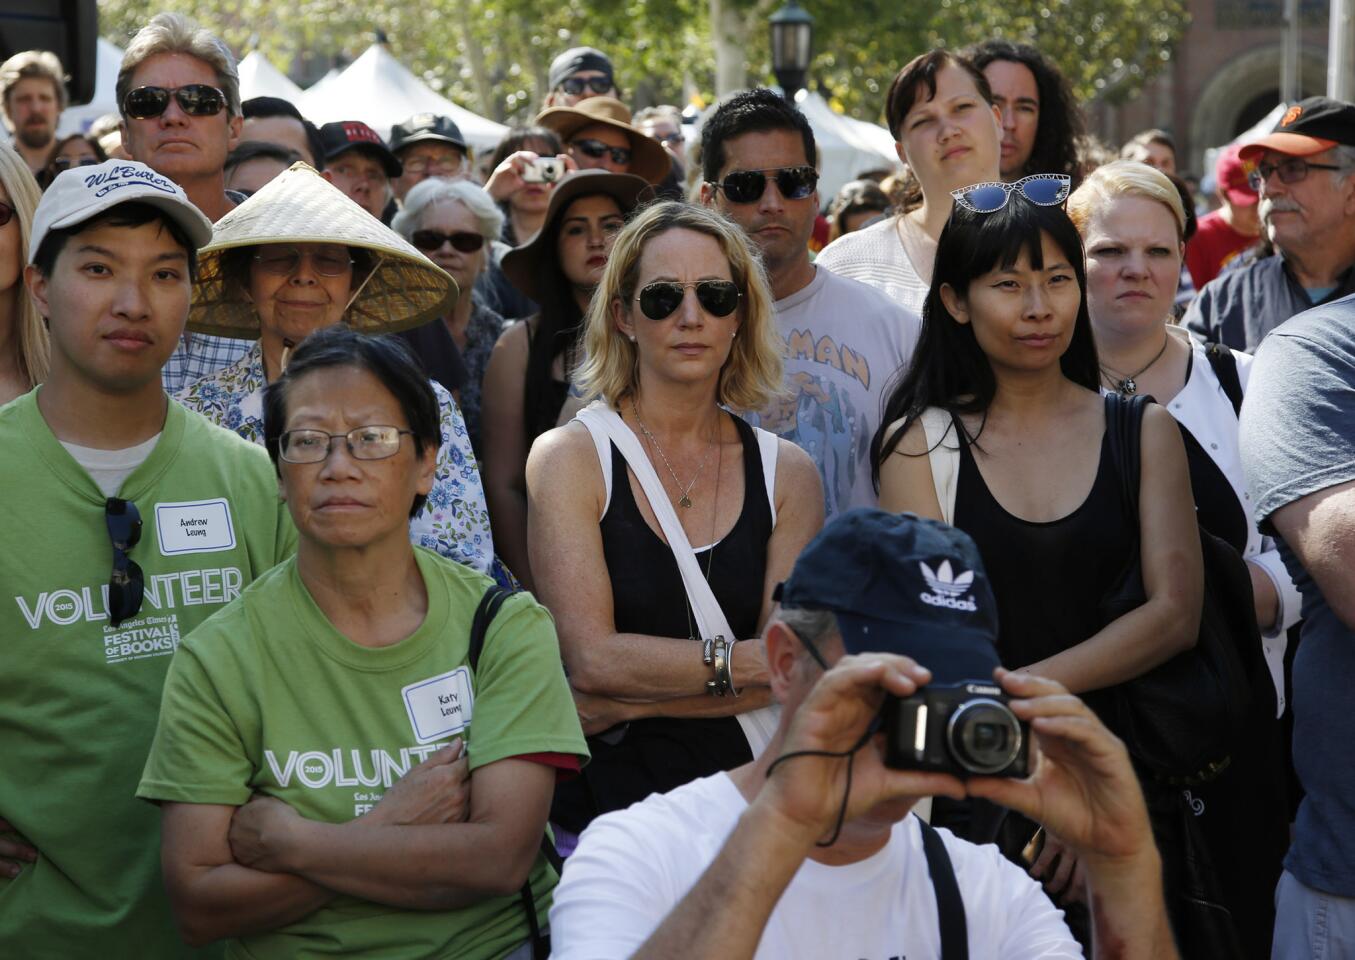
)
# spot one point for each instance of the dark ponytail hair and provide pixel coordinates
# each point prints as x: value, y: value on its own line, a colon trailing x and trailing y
x: 949, y: 370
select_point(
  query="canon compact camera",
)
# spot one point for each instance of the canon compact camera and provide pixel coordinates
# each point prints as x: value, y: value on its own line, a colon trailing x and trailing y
x: 965, y: 729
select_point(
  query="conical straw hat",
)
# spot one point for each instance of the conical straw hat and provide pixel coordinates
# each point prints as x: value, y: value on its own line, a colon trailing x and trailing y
x: 404, y: 290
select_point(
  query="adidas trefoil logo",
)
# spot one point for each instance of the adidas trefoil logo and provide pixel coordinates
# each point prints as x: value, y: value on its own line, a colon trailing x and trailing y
x: 947, y: 588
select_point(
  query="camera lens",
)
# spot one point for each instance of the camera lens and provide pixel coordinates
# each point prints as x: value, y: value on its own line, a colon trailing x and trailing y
x: 984, y: 736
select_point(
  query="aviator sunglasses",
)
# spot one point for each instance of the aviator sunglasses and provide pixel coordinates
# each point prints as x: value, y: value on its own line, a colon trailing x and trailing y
x: 659, y: 299
x: 1041, y: 189
x: 574, y: 85
x: 430, y: 240
x: 597, y: 150
x: 746, y: 186
x: 127, y: 584
x: 195, y: 99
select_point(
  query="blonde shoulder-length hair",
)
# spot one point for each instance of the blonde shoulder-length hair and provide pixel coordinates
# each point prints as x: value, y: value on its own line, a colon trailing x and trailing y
x: 32, y: 345
x: 750, y: 378
x: 1124, y: 178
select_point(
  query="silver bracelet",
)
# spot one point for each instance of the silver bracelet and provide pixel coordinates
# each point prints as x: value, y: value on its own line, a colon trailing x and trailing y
x: 715, y: 654
x: 729, y: 667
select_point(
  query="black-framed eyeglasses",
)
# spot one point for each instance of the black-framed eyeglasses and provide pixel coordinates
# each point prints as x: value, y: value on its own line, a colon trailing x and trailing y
x: 659, y: 299
x: 430, y: 240
x: 747, y: 186
x: 373, y: 442
x: 575, y: 85
x: 282, y: 261
x: 597, y: 150
x: 127, y: 584
x: 1041, y: 189
x: 1290, y: 169
x: 61, y: 164
x: 195, y: 99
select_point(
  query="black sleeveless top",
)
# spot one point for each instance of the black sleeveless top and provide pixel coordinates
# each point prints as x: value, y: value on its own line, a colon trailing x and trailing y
x: 1216, y: 503
x: 630, y: 762
x: 1048, y: 578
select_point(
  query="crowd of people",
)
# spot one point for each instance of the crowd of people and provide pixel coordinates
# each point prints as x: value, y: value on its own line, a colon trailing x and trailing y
x: 671, y: 483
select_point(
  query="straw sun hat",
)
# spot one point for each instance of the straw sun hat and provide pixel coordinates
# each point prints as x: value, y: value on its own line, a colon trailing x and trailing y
x: 403, y: 290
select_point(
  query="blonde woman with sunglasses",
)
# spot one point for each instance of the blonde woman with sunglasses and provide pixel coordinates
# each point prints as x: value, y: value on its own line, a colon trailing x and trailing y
x: 657, y: 491
x: 23, y: 337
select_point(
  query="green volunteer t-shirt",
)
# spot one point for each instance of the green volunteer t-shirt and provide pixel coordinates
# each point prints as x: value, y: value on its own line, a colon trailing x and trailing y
x: 267, y: 697
x: 78, y: 698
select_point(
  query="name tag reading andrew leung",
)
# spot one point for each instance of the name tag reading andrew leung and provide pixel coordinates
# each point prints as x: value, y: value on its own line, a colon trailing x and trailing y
x: 202, y: 526
x: 439, y: 706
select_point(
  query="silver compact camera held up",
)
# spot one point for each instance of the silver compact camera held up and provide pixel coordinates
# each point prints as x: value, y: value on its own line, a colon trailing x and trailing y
x: 544, y: 170
x: 965, y: 729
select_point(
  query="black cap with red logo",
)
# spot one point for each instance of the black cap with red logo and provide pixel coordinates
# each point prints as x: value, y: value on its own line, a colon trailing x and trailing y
x: 1308, y: 127
x: 344, y: 135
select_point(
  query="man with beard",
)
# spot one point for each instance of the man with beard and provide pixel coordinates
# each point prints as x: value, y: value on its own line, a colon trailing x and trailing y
x: 34, y: 94
x: 843, y: 339
x: 1305, y: 175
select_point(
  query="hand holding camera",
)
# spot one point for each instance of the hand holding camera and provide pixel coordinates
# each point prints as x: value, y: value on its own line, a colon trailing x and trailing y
x: 524, y: 168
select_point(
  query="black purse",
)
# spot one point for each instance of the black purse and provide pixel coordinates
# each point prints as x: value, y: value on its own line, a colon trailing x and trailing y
x: 1181, y: 719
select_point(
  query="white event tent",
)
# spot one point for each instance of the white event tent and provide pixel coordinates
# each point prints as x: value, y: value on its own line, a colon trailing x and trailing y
x: 378, y: 90
x: 259, y: 78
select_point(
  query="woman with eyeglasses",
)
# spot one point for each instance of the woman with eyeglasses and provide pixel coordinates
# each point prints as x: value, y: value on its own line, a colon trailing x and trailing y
x: 297, y: 257
x: 1006, y: 371
x: 532, y: 366
x: 24, y: 357
x: 940, y: 110
x: 1132, y: 223
x: 339, y: 774
x: 77, y: 150
x: 453, y: 223
x: 660, y: 522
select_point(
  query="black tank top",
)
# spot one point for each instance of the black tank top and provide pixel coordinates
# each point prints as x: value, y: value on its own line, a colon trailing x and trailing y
x: 1048, y: 578
x: 1216, y: 503
x: 655, y: 755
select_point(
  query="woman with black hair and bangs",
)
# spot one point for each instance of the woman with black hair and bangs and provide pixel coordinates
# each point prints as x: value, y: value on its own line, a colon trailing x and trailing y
x: 998, y: 428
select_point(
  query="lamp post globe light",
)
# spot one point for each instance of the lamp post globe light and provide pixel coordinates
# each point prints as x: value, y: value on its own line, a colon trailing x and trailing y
x: 792, y: 35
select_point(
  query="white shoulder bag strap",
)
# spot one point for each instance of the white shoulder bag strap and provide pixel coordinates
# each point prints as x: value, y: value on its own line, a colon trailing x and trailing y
x: 758, y: 725
x: 943, y: 453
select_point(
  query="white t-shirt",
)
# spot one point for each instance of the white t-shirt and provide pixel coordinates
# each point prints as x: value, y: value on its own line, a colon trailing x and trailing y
x: 844, y: 341
x: 632, y: 868
x: 875, y: 255
x: 108, y: 468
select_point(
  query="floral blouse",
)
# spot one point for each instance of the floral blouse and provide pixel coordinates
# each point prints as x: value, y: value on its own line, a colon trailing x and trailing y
x: 455, y: 520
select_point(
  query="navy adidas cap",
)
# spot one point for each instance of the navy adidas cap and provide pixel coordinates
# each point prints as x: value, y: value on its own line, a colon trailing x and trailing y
x: 900, y: 583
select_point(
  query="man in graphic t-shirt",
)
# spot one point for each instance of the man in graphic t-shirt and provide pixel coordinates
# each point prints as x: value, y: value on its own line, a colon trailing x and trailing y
x: 843, y: 339
x: 129, y: 521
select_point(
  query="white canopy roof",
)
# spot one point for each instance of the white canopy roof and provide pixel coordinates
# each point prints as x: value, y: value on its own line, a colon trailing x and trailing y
x: 76, y: 119
x: 259, y: 78
x: 378, y: 90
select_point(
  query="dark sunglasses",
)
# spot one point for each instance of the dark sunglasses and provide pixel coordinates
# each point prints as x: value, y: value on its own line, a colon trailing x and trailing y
x: 430, y: 240
x: 597, y: 149
x: 659, y: 299
x: 127, y: 585
x: 195, y: 99
x: 6, y: 213
x: 574, y: 85
x: 1291, y: 170
x: 61, y: 164
x: 1041, y: 189
x: 747, y: 186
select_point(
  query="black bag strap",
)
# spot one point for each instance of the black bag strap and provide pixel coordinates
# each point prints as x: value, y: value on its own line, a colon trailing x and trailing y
x: 949, y: 906
x: 484, y: 615
x: 1124, y: 429
x: 1224, y: 365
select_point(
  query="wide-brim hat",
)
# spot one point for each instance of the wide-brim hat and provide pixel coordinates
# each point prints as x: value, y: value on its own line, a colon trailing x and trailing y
x: 403, y: 289
x: 526, y: 265
x: 648, y: 159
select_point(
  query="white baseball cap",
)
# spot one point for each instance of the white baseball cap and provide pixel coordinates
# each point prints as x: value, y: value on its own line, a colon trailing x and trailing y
x: 81, y: 193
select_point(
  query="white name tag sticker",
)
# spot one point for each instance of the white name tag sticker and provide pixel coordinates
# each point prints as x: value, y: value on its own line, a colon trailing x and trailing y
x: 200, y: 526
x: 440, y: 706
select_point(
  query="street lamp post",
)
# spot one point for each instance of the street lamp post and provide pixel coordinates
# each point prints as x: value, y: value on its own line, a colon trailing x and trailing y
x: 792, y: 35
